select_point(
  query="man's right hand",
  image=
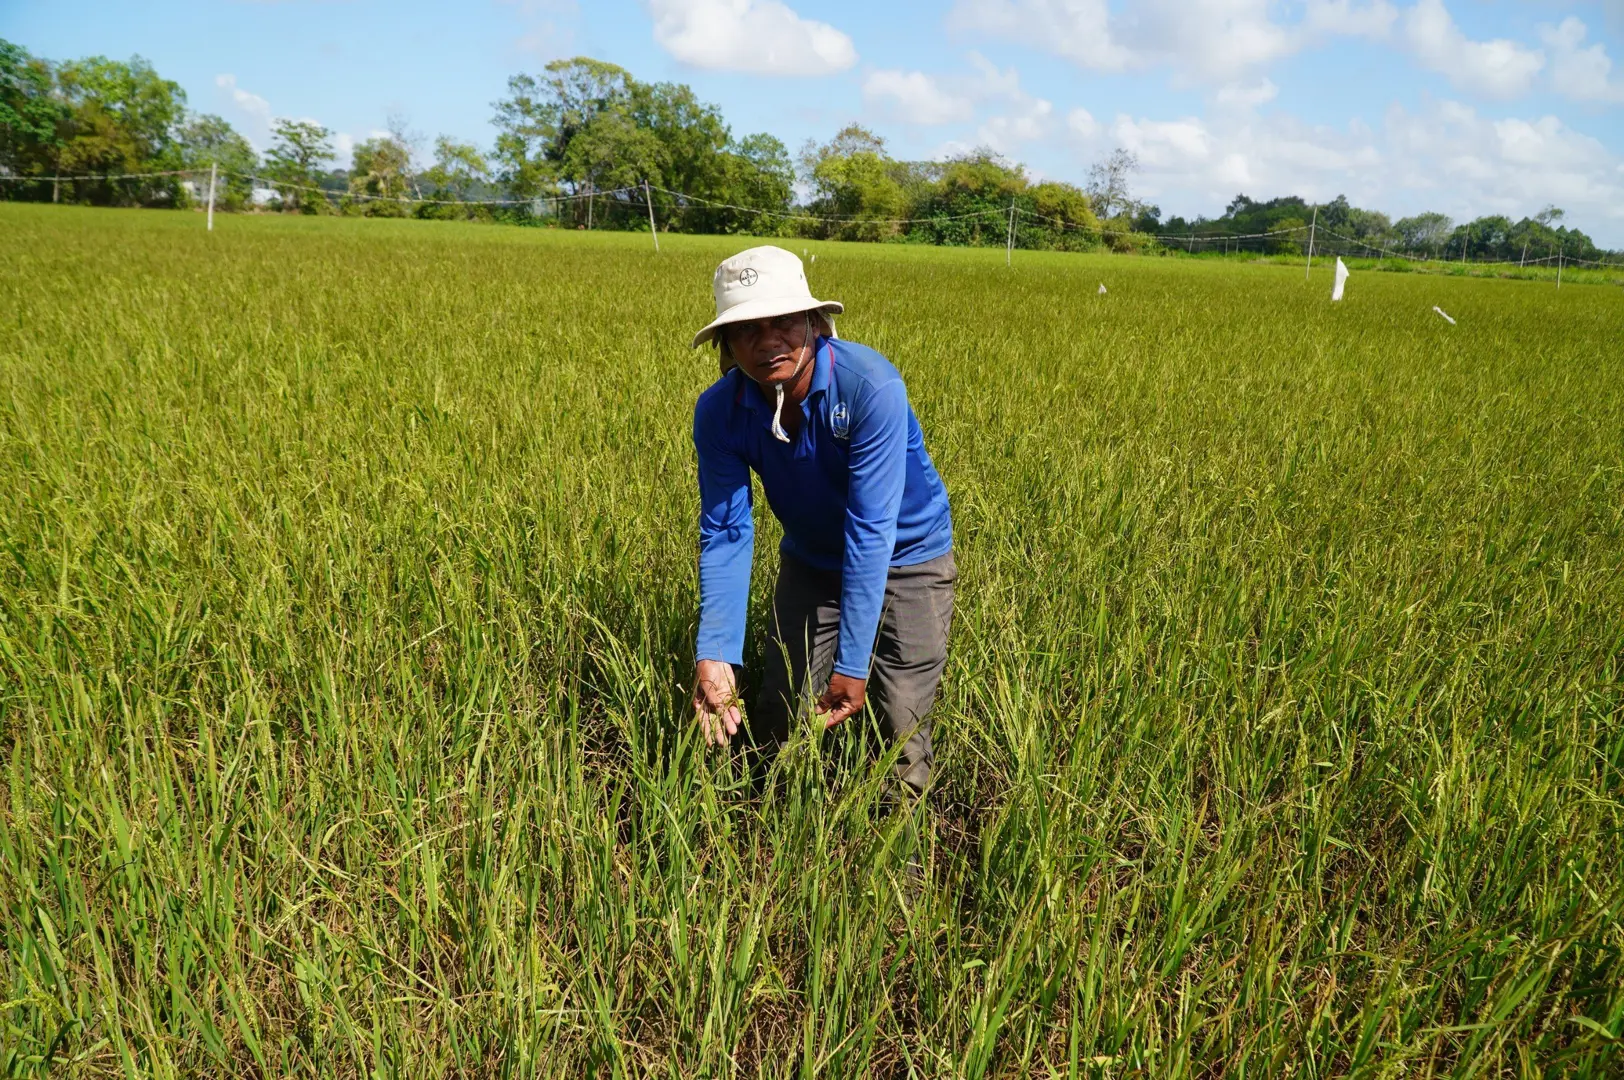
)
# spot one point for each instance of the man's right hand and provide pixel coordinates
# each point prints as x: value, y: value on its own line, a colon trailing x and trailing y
x: 716, y: 701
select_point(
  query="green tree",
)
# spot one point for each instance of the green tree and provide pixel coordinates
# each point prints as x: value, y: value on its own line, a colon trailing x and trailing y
x: 1424, y: 233
x: 459, y: 172
x: 1336, y: 214
x: 692, y: 135
x: 754, y: 172
x: 1065, y: 218
x: 1268, y: 226
x: 294, y: 162
x: 32, y: 120
x: 1487, y: 238
x: 122, y: 119
x: 206, y: 140
x: 614, y: 151
x: 585, y: 126
x: 1370, y: 226
x: 1109, y: 183
x: 1542, y: 237
x: 380, y: 173
x: 853, y: 178
x: 964, y: 200
x: 458, y: 168
x: 541, y: 117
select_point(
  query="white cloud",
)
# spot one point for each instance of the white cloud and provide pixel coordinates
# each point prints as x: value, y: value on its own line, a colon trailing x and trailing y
x: 1237, y: 95
x: 1210, y: 40
x: 1514, y: 166
x: 255, y: 118
x: 253, y: 111
x: 992, y: 83
x: 916, y: 98
x: 1079, y: 30
x: 1198, y: 40
x: 1373, y: 20
x: 1206, y: 161
x: 760, y: 37
x: 1025, y: 123
x: 1579, y: 71
x: 1499, y: 68
x: 1163, y: 145
x: 1082, y: 125
x: 1445, y: 156
x: 950, y: 148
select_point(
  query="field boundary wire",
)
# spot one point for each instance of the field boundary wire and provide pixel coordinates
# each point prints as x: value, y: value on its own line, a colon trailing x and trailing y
x: 619, y: 194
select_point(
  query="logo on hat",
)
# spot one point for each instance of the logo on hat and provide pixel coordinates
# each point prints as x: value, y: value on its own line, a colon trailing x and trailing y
x: 748, y: 276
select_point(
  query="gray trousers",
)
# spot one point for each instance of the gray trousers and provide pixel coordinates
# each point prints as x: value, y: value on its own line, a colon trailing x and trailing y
x: 910, y: 654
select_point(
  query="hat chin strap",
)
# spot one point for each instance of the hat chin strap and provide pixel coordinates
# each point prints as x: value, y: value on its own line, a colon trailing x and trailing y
x: 778, y: 390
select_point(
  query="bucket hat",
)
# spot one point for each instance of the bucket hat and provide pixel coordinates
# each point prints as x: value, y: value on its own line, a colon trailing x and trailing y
x: 761, y: 283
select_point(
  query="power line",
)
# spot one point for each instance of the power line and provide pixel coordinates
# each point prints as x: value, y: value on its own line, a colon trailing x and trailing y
x: 1389, y: 254
x: 20, y: 178
x: 272, y: 183
x: 1185, y: 239
x: 802, y: 216
x: 1167, y: 237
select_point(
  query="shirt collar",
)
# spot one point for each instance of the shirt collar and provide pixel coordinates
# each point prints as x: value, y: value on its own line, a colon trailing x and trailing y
x: 754, y: 398
x: 823, y: 367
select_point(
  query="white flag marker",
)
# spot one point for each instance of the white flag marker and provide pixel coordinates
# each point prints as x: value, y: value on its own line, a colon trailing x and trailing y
x: 1341, y: 279
x: 1444, y: 313
x: 1102, y: 288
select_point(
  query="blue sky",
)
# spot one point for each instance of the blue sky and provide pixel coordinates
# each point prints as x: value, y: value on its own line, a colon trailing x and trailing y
x: 1464, y: 106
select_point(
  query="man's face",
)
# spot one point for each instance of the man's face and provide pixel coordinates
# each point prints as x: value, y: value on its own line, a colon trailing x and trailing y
x: 770, y: 350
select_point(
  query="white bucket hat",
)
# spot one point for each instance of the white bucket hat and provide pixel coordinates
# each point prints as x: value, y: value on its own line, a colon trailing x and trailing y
x: 761, y: 283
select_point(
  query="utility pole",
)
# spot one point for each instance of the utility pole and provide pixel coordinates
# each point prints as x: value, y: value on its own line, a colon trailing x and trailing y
x: 1312, y: 226
x: 652, y: 230
x: 214, y: 170
x: 1009, y: 245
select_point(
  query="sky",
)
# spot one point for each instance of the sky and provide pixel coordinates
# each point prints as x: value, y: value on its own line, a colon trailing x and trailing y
x: 1468, y: 107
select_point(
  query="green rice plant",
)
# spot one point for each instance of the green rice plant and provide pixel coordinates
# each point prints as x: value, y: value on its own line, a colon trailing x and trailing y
x: 347, y: 598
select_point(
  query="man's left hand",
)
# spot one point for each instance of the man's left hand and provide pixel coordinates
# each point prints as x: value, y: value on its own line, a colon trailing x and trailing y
x: 844, y: 698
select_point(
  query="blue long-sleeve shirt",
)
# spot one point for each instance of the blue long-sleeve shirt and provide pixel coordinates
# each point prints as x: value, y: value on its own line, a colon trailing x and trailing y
x: 856, y: 492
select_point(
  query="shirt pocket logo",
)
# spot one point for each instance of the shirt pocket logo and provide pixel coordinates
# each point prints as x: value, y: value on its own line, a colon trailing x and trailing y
x: 840, y: 421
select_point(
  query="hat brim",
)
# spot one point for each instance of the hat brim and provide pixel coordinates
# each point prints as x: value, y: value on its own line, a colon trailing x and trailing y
x: 767, y: 307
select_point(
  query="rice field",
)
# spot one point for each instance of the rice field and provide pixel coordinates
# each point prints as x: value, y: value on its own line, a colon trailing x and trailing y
x: 347, y: 599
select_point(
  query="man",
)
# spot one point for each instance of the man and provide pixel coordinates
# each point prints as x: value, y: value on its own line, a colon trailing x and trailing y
x: 865, y: 586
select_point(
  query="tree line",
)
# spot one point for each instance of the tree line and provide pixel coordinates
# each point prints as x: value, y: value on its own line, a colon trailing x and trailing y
x: 576, y: 144
x: 1341, y: 226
